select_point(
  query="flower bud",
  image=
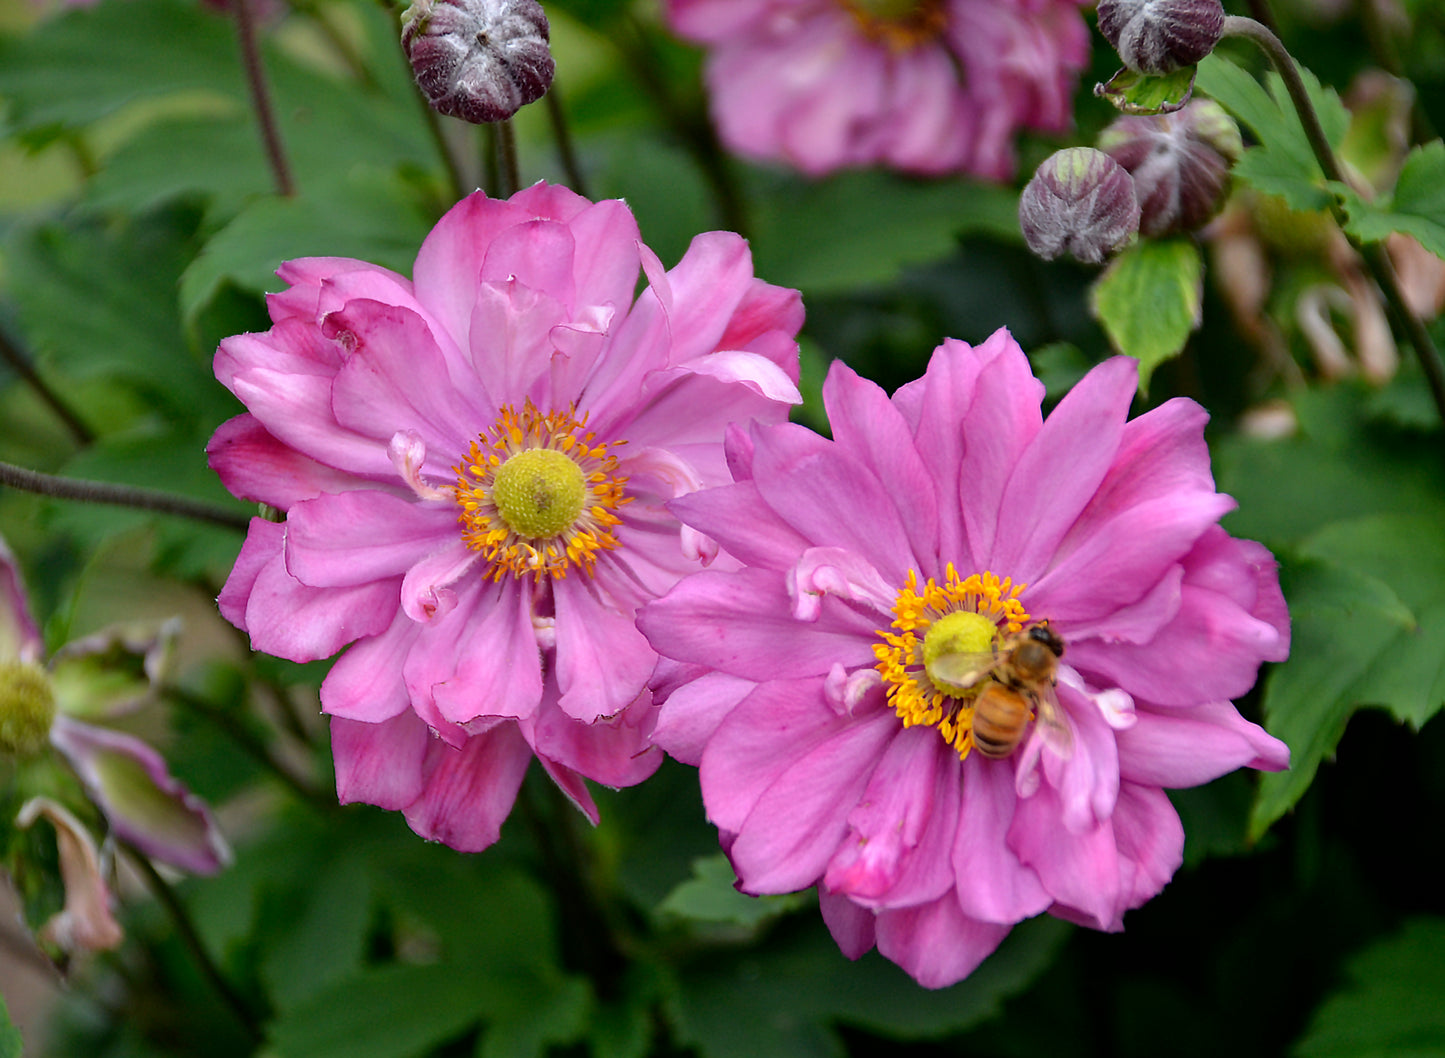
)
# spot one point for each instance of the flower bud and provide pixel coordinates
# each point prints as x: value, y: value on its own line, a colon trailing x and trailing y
x: 1159, y: 36
x: 1080, y: 201
x: 479, y: 60
x: 27, y: 709
x: 1180, y: 163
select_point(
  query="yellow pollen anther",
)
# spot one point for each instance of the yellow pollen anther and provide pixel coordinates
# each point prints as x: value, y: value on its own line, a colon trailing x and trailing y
x: 538, y: 495
x: 957, y: 617
x: 898, y: 24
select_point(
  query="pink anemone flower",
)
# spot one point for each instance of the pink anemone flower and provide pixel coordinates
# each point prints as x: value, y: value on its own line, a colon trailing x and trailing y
x: 967, y: 651
x: 924, y: 86
x: 473, y: 464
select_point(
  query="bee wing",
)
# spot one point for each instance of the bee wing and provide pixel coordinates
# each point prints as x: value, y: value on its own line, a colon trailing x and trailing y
x: 1053, y: 725
x: 959, y: 672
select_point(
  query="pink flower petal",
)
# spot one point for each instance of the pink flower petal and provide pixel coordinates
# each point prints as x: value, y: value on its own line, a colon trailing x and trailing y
x: 366, y: 682
x: 1182, y: 747
x: 603, y: 662
x: 256, y: 466
x: 382, y: 763
x: 937, y: 943
x: 693, y: 712
x: 344, y: 539
x: 470, y: 791
x: 19, y: 636
x: 993, y: 886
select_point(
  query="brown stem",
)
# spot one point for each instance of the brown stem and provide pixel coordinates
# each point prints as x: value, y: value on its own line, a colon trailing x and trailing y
x: 1377, y: 261
x: 163, y: 892
x: 565, y: 148
x: 261, y: 98
x: 21, y: 365
x: 121, y: 496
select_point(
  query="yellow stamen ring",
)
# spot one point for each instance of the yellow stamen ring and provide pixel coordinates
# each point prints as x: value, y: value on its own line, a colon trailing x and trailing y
x: 900, y: 25
x: 958, y: 616
x: 538, y: 494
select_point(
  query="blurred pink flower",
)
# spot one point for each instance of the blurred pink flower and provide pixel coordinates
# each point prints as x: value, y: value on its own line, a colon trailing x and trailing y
x: 925, y: 86
x: 810, y: 685
x: 474, y: 465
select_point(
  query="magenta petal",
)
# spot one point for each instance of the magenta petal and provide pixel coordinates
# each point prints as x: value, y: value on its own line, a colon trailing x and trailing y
x: 603, y: 661
x: 1151, y: 843
x: 366, y: 682
x: 936, y: 942
x: 574, y: 787
x: 614, y: 752
x: 1056, y: 476
x: 470, y: 790
x: 382, y: 764
x: 1080, y: 871
x: 450, y: 259
x: 19, y: 637
x: 537, y: 254
x: 795, y: 827
x: 606, y: 259
x: 742, y: 524
x: 140, y: 799
x: 867, y: 426
x: 256, y: 466
x: 993, y: 886
x: 1181, y: 747
x: 354, y: 537
x: 693, y: 712
x: 293, y: 621
x: 740, y: 623
x: 896, y: 850
x: 851, y: 925
x: 262, y: 547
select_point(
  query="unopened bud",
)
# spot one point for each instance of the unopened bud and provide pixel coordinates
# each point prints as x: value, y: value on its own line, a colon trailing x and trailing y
x: 27, y: 709
x: 479, y: 60
x: 1081, y: 202
x: 1180, y: 163
x: 1160, y: 36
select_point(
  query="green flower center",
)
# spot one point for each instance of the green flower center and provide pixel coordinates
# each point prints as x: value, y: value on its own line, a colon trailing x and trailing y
x: 960, y: 632
x: 27, y: 709
x: 539, y: 492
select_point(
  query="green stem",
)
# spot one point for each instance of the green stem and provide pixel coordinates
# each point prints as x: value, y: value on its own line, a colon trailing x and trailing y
x: 192, y: 940
x: 1377, y: 261
x: 565, y: 149
x: 261, y: 98
x: 511, y: 177
x: 121, y: 496
x: 255, y: 747
x: 21, y: 365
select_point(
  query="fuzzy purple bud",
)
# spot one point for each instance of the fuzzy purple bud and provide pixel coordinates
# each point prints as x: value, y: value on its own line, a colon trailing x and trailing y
x: 1180, y: 163
x: 479, y: 60
x: 1081, y: 202
x: 1160, y: 36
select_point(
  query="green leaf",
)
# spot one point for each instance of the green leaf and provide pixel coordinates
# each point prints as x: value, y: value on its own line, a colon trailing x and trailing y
x: 1148, y: 301
x: 325, y: 941
x: 11, y: 1045
x: 368, y: 215
x: 862, y: 228
x: 709, y: 896
x: 1138, y: 93
x: 1341, y: 622
x: 1283, y: 164
x: 393, y: 1012
x: 554, y: 1014
x: 1391, y: 1007
x: 784, y: 998
x: 89, y: 62
x: 1416, y: 207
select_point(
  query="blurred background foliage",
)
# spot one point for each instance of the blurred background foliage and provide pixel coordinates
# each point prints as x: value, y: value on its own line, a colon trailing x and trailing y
x: 138, y: 227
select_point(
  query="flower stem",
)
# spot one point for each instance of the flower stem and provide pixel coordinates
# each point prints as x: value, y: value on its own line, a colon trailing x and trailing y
x: 1376, y: 259
x: 261, y: 98
x: 565, y: 148
x: 163, y: 892
x: 511, y: 178
x: 22, y: 366
x: 121, y: 496
x: 255, y: 747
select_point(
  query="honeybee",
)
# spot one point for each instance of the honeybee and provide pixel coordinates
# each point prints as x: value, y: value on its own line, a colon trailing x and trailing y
x: 1018, y: 677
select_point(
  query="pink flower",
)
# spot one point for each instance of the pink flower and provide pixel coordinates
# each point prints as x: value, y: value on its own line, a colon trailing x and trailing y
x: 928, y: 86
x: 474, y: 465
x: 825, y: 690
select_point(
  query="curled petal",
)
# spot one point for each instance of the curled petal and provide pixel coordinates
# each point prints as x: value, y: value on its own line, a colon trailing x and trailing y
x: 19, y: 637
x: 143, y: 803
x: 85, y: 923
